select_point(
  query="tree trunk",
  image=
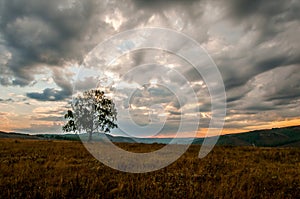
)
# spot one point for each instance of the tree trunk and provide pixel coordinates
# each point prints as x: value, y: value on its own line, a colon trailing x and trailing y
x: 90, y: 136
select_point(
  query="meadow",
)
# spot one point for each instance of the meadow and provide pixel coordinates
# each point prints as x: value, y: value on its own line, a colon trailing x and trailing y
x: 65, y: 169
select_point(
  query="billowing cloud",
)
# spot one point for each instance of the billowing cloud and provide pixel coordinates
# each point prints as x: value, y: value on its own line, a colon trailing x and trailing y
x: 253, y: 43
x: 51, y: 94
x: 268, y: 41
x: 45, y: 33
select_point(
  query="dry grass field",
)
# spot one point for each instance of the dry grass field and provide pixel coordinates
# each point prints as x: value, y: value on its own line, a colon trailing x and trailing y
x: 64, y: 169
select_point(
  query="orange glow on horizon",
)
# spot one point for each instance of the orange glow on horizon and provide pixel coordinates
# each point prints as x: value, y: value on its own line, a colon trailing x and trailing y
x: 269, y: 125
x: 10, y: 126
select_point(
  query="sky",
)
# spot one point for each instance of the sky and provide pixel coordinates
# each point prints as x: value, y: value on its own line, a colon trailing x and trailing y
x: 254, y: 44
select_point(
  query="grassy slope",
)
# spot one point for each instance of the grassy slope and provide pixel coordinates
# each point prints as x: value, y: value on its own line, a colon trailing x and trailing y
x: 287, y: 136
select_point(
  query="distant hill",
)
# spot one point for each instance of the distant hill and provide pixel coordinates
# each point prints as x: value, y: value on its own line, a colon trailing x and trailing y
x: 18, y: 135
x: 276, y: 137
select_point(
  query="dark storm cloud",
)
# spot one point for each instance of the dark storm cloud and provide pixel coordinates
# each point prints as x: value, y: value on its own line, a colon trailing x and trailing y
x: 6, y: 100
x: 242, y: 10
x: 55, y: 33
x: 273, y: 25
x: 52, y: 94
x: 48, y: 94
x: 288, y: 87
x: 257, y: 60
x: 286, y: 94
x: 158, y: 4
x: 260, y: 107
x: 205, y: 108
x: 43, y: 33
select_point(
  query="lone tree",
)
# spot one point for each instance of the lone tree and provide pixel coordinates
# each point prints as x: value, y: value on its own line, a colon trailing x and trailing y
x: 91, y: 112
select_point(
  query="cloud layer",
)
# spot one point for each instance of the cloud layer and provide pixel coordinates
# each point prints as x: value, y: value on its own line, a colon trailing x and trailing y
x: 253, y: 43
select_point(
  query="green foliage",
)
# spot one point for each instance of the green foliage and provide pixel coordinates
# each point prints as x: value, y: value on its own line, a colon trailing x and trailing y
x: 91, y: 112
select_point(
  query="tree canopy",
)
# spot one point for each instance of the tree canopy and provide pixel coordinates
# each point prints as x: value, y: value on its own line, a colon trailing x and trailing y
x: 91, y: 112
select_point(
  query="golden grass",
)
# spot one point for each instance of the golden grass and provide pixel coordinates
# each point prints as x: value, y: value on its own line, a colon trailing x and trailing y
x: 64, y: 169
